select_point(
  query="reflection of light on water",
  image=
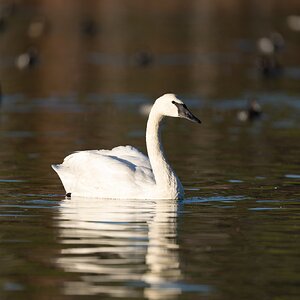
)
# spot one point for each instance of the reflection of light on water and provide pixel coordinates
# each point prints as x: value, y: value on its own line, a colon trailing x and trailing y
x: 162, y: 256
x: 120, y: 247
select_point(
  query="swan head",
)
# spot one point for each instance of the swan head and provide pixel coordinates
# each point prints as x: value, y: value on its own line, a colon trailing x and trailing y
x: 169, y: 105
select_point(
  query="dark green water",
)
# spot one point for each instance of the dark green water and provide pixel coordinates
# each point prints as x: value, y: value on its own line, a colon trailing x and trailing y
x: 234, y: 236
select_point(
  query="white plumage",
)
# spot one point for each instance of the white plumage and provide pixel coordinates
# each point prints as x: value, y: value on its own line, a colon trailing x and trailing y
x: 120, y: 171
x: 124, y: 172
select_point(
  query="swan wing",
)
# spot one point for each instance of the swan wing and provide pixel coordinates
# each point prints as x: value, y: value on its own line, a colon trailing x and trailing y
x: 106, y: 173
x: 129, y: 154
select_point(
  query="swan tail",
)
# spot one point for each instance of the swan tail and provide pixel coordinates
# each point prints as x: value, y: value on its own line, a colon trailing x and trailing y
x: 55, y: 168
x: 63, y: 177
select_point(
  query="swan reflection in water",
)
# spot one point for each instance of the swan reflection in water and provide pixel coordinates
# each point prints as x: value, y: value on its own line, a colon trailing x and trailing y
x: 122, y: 248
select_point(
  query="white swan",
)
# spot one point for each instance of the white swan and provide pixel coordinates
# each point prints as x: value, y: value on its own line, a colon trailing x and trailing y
x: 124, y: 172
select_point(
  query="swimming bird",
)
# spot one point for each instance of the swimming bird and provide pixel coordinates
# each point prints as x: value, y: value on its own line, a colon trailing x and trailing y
x: 124, y: 172
x: 252, y: 113
x: 27, y: 59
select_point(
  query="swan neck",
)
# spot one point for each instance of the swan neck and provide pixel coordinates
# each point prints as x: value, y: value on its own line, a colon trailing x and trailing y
x: 163, y: 173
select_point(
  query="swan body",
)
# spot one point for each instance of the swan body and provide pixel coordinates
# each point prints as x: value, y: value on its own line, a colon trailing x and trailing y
x: 124, y: 172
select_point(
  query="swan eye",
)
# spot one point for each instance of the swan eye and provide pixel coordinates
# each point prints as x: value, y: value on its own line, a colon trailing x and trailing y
x: 173, y: 102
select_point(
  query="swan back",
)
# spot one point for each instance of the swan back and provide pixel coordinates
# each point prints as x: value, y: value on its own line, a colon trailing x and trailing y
x: 123, y: 172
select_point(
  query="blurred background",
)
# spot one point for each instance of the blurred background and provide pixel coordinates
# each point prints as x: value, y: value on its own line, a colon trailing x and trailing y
x: 202, y: 48
x: 78, y: 74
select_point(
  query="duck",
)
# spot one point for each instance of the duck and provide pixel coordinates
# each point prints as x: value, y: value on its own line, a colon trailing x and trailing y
x: 143, y: 58
x: 253, y: 112
x: 28, y: 59
x: 124, y: 172
x: 268, y: 61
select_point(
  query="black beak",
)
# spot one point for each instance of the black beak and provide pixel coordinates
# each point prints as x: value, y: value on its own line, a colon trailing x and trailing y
x: 185, y: 113
x: 188, y: 115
